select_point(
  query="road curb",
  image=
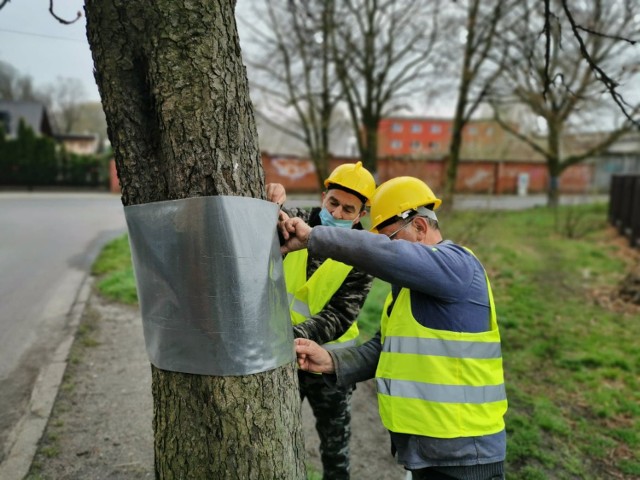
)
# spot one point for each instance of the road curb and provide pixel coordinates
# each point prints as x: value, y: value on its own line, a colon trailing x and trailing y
x: 24, y: 438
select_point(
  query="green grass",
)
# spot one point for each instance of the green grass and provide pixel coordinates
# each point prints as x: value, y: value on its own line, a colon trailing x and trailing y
x: 115, y: 271
x: 572, y: 362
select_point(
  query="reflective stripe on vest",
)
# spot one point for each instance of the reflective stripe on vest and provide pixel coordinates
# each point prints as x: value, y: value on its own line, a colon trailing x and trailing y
x: 298, y: 306
x: 308, y: 297
x: 433, y: 392
x: 442, y: 348
x: 439, y: 383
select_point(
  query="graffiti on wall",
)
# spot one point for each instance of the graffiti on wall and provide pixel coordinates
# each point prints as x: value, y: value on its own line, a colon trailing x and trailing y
x: 292, y: 168
x: 478, y: 177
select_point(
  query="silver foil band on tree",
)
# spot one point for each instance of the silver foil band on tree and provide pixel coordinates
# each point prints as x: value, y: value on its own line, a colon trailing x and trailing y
x: 210, y: 285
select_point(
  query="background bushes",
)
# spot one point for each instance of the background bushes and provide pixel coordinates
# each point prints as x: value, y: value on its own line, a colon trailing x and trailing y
x: 29, y: 160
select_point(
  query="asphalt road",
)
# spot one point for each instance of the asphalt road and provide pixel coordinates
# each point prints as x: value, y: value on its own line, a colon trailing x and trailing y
x: 48, y: 242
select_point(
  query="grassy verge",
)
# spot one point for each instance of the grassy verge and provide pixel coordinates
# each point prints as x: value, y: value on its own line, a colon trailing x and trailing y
x: 115, y: 272
x: 571, y: 355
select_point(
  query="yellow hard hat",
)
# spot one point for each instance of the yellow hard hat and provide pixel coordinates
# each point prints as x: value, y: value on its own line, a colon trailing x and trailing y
x: 397, y: 196
x: 354, y: 177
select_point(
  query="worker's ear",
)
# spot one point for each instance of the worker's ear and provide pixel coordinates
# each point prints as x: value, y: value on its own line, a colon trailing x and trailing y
x: 422, y: 227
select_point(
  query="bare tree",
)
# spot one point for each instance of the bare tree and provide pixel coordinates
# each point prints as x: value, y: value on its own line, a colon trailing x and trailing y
x: 293, y: 71
x: 574, y: 98
x: 382, y: 52
x: 181, y: 123
x: 65, y: 99
x: 14, y: 86
x: 481, y: 63
x: 578, y: 30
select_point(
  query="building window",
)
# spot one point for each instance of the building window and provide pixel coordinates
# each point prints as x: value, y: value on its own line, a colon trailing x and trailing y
x: 436, y: 128
x: 489, y: 131
x: 396, y: 127
x: 473, y: 130
x: 416, y: 128
x: 434, y: 145
x: 415, y: 145
x: 396, y: 144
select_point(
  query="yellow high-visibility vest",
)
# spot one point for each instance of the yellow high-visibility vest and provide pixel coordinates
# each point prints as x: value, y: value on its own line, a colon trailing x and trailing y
x: 308, y: 297
x: 438, y: 383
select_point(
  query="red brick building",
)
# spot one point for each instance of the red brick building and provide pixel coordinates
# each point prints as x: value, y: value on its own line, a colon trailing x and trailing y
x: 411, y: 137
x: 492, y: 160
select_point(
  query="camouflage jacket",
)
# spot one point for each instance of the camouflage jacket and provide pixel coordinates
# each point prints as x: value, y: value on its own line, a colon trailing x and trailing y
x: 343, y: 308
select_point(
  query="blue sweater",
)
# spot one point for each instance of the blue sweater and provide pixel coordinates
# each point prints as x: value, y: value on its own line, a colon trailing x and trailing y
x: 448, y: 292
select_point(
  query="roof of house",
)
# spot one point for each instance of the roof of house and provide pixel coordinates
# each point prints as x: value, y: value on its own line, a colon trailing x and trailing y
x: 34, y: 114
x: 89, y: 137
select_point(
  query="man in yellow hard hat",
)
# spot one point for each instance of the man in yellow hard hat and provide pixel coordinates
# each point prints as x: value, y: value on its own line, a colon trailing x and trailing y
x: 325, y: 298
x: 437, y: 358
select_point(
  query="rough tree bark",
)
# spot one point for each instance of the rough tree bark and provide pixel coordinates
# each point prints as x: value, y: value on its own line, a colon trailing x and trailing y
x: 175, y: 95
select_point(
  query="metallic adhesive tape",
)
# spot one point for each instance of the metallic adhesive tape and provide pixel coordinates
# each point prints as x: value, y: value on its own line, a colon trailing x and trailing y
x: 210, y: 285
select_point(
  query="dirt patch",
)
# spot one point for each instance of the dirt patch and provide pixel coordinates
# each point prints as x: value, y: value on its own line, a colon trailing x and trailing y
x: 101, y: 423
x: 623, y: 297
x: 629, y: 290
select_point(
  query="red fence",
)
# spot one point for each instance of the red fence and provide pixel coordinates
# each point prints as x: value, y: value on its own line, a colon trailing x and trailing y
x: 298, y: 175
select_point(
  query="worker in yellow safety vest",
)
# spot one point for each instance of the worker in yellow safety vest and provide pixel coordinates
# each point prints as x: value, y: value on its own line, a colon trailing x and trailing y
x: 325, y: 299
x: 437, y: 359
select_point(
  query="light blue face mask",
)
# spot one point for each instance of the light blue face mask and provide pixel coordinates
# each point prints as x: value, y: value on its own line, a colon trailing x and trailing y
x: 329, y: 221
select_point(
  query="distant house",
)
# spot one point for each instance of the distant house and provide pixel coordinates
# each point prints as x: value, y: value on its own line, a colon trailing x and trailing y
x: 413, y: 137
x: 82, y: 144
x: 34, y: 114
x: 429, y: 138
x: 621, y: 158
x: 492, y: 160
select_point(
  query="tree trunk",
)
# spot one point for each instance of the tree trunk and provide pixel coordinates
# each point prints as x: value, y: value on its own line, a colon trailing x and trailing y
x: 321, y: 162
x: 553, y: 164
x: 181, y: 124
x: 370, y: 153
x: 453, y: 159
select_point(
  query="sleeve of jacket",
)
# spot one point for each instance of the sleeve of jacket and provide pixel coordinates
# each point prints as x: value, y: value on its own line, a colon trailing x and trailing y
x: 355, y: 364
x: 340, y: 312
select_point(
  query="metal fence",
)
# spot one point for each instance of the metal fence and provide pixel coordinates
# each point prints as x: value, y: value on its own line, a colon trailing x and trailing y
x: 624, y: 206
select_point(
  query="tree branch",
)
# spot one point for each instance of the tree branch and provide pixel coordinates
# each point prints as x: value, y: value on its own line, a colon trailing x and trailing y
x: 608, y: 82
x: 61, y: 20
x: 524, y: 138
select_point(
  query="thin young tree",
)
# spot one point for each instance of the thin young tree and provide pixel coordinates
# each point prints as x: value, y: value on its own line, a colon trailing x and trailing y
x: 66, y: 98
x: 292, y: 71
x: 14, y: 86
x: 382, y: 52
x: 181, y: 123
x: 561, y: 88
x: 481, y: 63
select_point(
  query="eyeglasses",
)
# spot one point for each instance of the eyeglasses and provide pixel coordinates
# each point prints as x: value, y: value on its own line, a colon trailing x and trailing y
x: 404, y: 225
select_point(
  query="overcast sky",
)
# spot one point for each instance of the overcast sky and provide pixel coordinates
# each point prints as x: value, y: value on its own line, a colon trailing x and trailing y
x: 37, y: 45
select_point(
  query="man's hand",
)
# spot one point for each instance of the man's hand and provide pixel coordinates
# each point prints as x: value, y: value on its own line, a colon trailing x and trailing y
x: 295, y: 233
x: 312, y: 357
x: 276, y: 193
